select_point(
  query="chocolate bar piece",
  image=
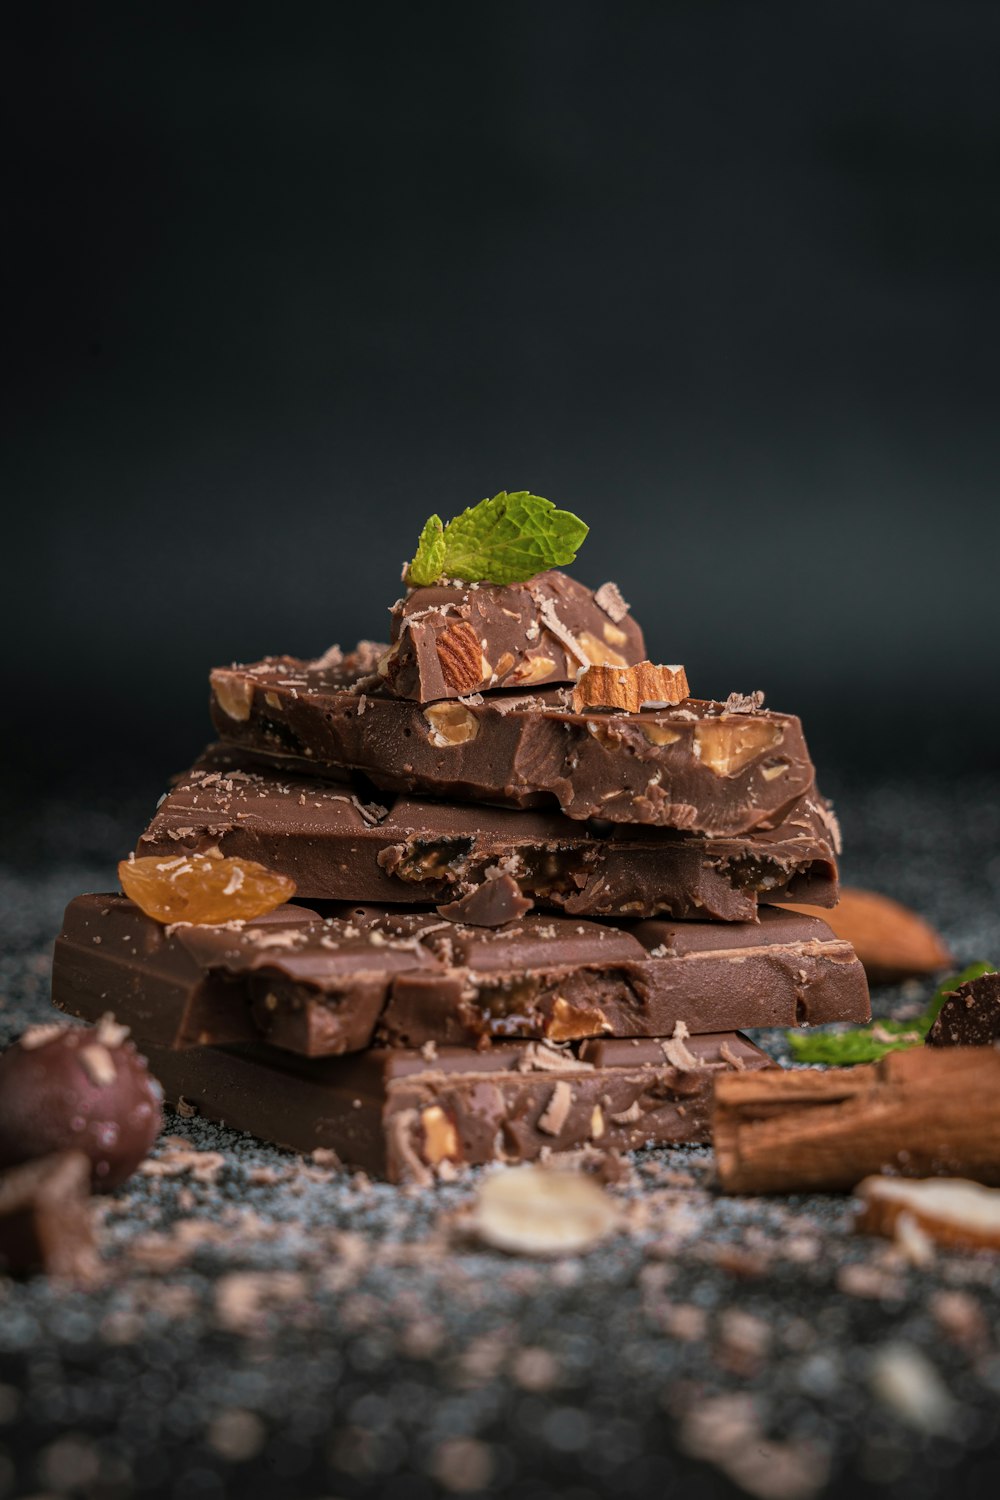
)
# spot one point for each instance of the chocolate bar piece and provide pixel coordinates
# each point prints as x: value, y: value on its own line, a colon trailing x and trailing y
x: 970, y: 1015
x: 698, y: 766
x: 324, y: 986
x: 337, y: 844
x: 450, y: 640
x: 45, y: 1222
x: 403, y: 1114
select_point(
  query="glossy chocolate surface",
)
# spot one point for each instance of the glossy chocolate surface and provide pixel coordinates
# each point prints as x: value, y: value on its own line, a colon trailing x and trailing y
x: 404, y: 1115
x: 450, y: 640
x: 326, y: 985
x: 339, y: 842
x: 698, y: 766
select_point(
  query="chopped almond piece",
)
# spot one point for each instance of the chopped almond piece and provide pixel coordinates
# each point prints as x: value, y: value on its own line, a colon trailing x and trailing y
x: 629, y: 688
x: 951, y: 1211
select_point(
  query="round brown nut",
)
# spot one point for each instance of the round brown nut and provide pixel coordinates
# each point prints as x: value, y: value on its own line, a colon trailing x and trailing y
x: 81, y: 1088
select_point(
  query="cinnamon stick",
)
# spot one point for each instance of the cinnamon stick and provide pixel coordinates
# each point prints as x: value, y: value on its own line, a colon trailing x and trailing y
x: 921, y: 1113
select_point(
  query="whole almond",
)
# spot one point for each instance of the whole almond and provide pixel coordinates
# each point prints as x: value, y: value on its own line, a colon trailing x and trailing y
x: 891, y: 941
x: 460, y: 656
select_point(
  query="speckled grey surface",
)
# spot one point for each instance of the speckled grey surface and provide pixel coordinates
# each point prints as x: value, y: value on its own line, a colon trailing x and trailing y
x: 280, y: 1331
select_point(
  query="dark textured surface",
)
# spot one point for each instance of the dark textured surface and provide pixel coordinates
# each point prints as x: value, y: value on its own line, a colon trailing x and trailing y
x: 390, y: 1357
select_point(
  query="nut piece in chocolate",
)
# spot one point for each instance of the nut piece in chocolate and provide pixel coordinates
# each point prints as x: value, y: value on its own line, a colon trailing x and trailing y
x: 452, y: 640
x: 69, y: 1088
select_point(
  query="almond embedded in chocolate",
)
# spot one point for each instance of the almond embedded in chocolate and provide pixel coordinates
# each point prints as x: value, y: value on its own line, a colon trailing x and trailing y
x: 461, y: 657
x: 629, y: 688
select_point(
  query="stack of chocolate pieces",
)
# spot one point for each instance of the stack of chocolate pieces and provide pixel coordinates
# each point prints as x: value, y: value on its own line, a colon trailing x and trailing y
x: 529, y: 873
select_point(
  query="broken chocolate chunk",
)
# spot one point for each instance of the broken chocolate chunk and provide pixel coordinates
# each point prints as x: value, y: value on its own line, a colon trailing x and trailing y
x: 403, y: 1115
x: 452, y: 640
x: 693, y: 767
x: 970, y: 1015
x: 326, y: 985
x: 336, y: 845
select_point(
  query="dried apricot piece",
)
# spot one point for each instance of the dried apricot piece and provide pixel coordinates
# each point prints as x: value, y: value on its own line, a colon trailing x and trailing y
x: 203, y: 888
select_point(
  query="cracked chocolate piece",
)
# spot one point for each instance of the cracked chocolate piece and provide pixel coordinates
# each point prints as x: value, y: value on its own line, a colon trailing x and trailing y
x: 337, y: 844
x: 326, y: 985
x: 399, y: 1114
x: 45, y: 1219
x: 970, y: 1015
x: 452, y: 640
x: 694, y: 766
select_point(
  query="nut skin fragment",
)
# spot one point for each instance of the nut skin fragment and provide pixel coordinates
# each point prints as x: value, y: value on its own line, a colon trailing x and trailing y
x: 727, y: 745
x: 461, y: 657
x: 440, y: 1137
x: 450, y: 724
x: 233, y: 692
x: 628, y: 688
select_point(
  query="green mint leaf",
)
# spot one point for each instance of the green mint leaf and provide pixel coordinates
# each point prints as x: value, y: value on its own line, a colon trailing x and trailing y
x: 428, y: 564
x: 511, y: 538
x: 868, y: 1043
x: 504, y: 540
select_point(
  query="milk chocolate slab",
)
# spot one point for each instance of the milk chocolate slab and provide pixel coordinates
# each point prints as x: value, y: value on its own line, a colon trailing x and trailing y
x: 696, y: 766
x: 403, y: 1114
x: 450, y: 640
x: 337, y: 843
x: 339, y: 983
x: 566, y: 980
x: 970, y: 1015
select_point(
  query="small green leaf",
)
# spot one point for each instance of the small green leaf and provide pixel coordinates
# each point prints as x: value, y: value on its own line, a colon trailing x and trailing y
x: 428, y: 564
x: 504, y: 540
x: 868, y: 1043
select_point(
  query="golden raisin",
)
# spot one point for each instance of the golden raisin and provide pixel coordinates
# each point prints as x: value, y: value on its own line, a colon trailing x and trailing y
x: 203, y: 888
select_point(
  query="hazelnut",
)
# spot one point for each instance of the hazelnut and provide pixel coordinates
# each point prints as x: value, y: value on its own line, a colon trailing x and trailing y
x: 233, y: 693
x: 440, y: 1136
x: 568, y: 1023
x: 726, y: 746
x: 659, y: 734
x: 450, y: 724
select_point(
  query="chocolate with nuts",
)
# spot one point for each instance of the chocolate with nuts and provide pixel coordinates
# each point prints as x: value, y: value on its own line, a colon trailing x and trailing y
x: 450, y: 640
x: 970, y: 1015
x: 405, y: 1115
x: 337, y: 843
x: 70, y: 1088
x: 332, y: 985
x: 697, y: 766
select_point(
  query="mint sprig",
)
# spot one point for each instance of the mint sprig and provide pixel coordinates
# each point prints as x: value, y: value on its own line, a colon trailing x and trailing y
x: 504, y: 540
x: 868, y: 1043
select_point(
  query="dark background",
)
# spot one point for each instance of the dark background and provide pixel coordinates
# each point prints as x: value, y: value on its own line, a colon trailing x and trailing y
x: 721, y: 277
